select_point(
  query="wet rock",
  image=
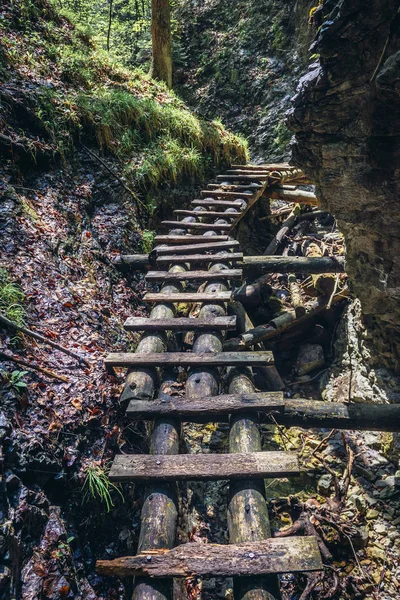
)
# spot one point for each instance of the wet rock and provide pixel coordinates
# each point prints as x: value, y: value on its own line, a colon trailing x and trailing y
x: 360, y: 540
x: 310, y: 357
x: 324, y: 484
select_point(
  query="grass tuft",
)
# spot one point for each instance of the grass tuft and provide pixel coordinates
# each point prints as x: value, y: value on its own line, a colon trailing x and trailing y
x: 98, y: 487
x: 11, y: 299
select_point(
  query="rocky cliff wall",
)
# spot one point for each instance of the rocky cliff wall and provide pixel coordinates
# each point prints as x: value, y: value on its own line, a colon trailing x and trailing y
x: 346, y: 116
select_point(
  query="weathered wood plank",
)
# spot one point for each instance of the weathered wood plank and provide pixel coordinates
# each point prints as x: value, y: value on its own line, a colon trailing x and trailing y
x: 203, y: 467
x: 205, y: 226
x: 257, y: 178
x: 180, y: 324
x: 222, y: 193
x: 300, y: 412
x: 221, y: 275
x: 266, y: 167
x: 234, y: 187
x: 293, y: 264
x: 198, y: 247
x: 231, y: 257
x: 187, y: 239
x: 183, y: 297
x: 279, y: 555
x: 207, y: 213
x: 209, y: 409
x: 188, y: 359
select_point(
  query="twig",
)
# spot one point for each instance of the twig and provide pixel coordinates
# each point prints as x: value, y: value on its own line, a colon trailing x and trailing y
x: 114, y: 174
x: 322, y: 442
x: 334, y: 292
x: 28, y: 365
x: 43, y: 339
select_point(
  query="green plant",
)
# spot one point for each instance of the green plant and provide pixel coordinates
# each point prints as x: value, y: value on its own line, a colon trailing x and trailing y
x: 11, y: 298
x: 97, y: 486
x: 15, y: 380
x: 147, y: 240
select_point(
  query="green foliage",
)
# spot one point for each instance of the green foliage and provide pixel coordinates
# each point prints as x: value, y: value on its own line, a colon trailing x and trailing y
x: 147, y: 240
x: 98, y: 487
x: 16, y: 380
x: 11, y: 299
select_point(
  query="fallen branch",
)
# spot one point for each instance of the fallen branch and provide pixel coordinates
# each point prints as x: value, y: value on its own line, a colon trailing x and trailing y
x: 43, y: 339
x: 286, y: 227
x: 281, y: 324
x: 28, y: 365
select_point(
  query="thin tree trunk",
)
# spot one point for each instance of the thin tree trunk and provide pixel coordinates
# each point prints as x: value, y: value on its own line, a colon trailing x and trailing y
x: 161, y: 64
x: 109, y: 25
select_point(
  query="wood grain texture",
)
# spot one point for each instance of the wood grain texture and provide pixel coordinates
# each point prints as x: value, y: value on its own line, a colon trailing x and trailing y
x: 194, y: 225
x: 188, y: 239
x: 208, y: 409
x: 204, y: 246
x: 180, y: 324
x: 294, y: 264
x: 188, y: 297
x: 188, y: 359
x: 200, y: 258
x: 280, y: 555
x: 206, y: 213
x: 225, y: 274
x: 198, y: 467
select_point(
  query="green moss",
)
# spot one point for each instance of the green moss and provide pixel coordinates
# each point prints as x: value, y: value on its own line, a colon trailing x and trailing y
x: 11, y: 299
x: 147, y: 240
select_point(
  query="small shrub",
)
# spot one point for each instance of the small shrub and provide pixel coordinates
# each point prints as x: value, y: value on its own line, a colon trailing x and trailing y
x: 11, y: 299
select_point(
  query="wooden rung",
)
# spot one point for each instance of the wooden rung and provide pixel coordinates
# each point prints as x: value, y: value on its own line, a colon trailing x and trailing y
x: 300, y: 412
x: 226, y: 194
x: 206, y: 213
x: 270, y: 167
x: 201, y: 258
x: 256, y: 178
x: 197, y: 467
x: 298, y: 196
x: 209, y: 409
x: 262, y: 173
x: 274, y: 555
x: 194, y: 275
x: 205, y: 226
x: 250, y: 187
x: 185, y: 297
x: 189, y: 359
x: 180, y: 324
x: 195, y: 248
x: 187, y: 239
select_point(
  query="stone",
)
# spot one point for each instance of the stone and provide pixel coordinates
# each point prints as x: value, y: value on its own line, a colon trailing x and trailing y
x: 360, y: 540
x: 380, y: 528
x: 324, y: 484
x: 310, y: 357
x: 372, y: 514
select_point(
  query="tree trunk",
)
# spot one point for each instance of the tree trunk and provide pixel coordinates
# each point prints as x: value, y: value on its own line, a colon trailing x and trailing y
x: 161, y: 63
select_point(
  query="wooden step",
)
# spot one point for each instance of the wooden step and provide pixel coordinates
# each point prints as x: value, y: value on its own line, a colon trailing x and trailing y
x: 206, y: 213
x: 250, y: 177
x: 209, y: 409
x: 195, y: 248
x: 299, y: 412
x: 205, y: 226
x: 234, y: 187
x: 201, y: 258
x: 222, y: 275
x: 274, y: 555
x: 200, y: 467
x: 180, y: 324
x: 226, y: 194
x: 185, y: 297
x: 188, y: 239
x: 269, y: 167
x: 189, y: 359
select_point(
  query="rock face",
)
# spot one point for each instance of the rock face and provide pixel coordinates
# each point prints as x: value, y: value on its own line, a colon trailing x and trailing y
x: 346, y: 116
